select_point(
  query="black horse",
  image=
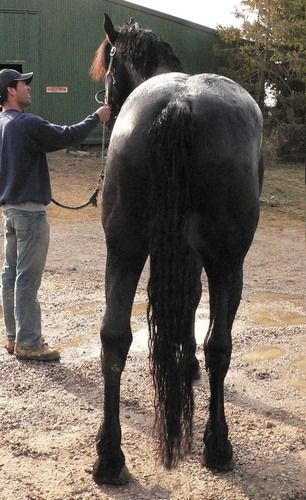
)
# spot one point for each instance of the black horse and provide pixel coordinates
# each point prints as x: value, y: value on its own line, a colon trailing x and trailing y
x: 182, y: 185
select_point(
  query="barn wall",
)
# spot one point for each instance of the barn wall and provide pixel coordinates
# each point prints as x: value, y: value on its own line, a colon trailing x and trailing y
x: 57, y: 40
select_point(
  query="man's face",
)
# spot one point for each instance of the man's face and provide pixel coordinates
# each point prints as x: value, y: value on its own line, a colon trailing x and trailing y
x: 23, y: 94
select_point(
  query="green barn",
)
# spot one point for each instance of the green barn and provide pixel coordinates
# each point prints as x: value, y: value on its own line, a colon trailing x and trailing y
x: 57, y: 40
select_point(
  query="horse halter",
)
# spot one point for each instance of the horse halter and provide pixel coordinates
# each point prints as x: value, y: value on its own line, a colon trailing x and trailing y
x: 109, y: 80
x: 109, y: 77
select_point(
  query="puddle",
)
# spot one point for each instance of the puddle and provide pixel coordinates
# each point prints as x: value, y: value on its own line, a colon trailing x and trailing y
x: 277, y: 317
x: 140, y: 337
x: 75, y: 348
x: 140, y: 340
x: 300, y: 364
x: 84, y: 308
x: 297, y: 383
x: 277, y: 309
x: 73, y: 342
x: 278, y: 297
x: 140, y: 308
x: 263, y: 353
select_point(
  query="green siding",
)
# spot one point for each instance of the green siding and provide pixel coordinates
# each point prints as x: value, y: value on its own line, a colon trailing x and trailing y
x: 57, y: 40
x: 21, y: 50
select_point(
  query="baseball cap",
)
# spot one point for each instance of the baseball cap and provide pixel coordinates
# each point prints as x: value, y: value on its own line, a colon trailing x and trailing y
x: 9, y: 75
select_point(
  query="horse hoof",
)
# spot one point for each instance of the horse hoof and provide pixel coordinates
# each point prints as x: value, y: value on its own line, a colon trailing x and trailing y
x: 104, y: 477
x: 221, y: 461
x: 218, y: 466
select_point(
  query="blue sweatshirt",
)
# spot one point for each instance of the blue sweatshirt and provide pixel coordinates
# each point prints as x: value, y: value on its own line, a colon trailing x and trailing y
x: 24, y: 141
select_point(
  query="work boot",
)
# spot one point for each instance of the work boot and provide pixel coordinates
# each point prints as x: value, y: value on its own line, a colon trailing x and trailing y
x: 40, y: 353
x: 10, y: 346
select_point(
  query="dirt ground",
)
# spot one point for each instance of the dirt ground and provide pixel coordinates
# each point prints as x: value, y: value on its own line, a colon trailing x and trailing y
x: 50, y: 412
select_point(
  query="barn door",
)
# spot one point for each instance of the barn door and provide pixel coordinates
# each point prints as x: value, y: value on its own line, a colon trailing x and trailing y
x: 19, y: 48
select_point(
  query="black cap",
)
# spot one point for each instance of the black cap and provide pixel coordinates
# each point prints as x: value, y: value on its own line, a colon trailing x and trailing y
x: 10, y: 75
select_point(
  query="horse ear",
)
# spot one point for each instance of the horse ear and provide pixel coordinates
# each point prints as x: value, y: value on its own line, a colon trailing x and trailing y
x: 109, y: 29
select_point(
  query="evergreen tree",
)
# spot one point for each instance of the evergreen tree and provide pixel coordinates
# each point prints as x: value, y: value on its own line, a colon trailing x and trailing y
x: 268, y: 54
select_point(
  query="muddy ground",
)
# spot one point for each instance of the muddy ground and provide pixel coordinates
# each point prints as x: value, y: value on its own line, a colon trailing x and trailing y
x: 50, y: 413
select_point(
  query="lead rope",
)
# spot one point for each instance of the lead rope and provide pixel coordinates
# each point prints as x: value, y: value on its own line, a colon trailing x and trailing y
x: 93, y: 200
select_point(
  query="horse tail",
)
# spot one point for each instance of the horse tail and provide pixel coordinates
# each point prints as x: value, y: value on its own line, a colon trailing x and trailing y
x: 171, y: 283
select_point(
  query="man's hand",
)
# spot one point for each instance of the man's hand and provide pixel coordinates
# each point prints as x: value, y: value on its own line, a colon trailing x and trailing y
x: 104, y: 113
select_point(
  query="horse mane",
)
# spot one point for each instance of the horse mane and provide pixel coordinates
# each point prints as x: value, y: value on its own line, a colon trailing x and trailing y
x: 98, y: 66
x: 140, y: 47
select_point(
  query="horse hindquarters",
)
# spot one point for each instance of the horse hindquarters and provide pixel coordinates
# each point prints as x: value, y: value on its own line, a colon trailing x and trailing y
x: 174, y: 280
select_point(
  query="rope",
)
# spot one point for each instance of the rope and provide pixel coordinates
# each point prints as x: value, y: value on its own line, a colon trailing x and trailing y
x: 93, y: 200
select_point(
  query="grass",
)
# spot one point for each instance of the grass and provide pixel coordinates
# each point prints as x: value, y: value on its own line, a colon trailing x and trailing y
x: 284, y: 188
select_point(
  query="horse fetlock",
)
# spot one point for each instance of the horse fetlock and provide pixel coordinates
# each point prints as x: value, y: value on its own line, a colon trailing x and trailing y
x: 218, y: 451
x: 110, y: 465
x: 219, y: 460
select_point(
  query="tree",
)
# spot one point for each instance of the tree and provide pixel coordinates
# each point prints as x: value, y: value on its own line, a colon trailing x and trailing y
x: 268, y: 55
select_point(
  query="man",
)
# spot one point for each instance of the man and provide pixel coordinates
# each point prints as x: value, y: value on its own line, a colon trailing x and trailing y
x: 24, y: 193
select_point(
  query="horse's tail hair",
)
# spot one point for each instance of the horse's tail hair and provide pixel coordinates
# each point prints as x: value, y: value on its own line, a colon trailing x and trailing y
x: 170, y: 288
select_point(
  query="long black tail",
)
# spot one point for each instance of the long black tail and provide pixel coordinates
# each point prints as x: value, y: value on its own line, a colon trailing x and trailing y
x: 171, y: 284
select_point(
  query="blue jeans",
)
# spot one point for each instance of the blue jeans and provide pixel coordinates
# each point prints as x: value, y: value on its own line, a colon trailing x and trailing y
x: 26, y: 243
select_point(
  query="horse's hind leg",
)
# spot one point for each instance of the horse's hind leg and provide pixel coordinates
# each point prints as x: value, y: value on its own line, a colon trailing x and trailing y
x: 225, y: 292
x: 122, y: 274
